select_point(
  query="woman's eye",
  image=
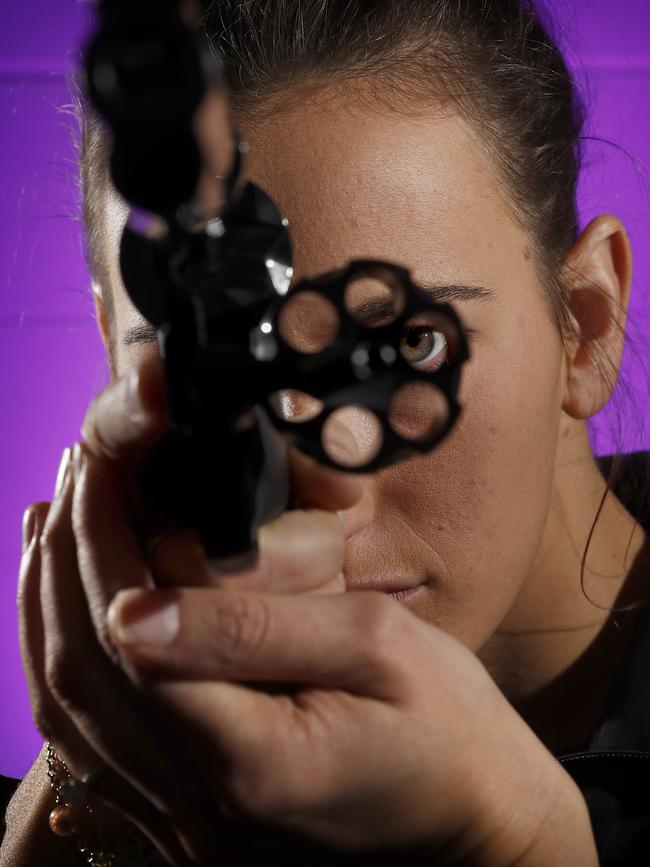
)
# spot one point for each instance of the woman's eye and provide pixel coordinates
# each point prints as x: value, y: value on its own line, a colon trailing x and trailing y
x: 422, y: 346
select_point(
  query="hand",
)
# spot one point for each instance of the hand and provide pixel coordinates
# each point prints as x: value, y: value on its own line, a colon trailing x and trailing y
x: 391, y: 736
x: 83, y: 550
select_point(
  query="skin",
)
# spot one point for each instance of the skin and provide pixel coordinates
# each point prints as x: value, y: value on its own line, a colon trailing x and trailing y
x: 517, y: 466
x: 306, y: 763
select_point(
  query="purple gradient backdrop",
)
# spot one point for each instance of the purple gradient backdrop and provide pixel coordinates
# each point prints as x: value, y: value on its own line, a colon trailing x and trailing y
x: 51, y: 358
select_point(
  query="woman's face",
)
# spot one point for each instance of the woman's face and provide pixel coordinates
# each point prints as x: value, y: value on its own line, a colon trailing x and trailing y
x: 463, y: 522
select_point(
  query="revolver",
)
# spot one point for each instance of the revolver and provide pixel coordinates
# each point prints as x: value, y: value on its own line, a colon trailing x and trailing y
x: 254, y: 363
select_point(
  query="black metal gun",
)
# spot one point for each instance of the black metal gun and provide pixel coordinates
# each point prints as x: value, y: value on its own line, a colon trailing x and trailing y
x: 242, y: 345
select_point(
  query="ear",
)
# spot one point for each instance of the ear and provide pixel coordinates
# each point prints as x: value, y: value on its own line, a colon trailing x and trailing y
x: 101, y: 315
x: 598, y: 274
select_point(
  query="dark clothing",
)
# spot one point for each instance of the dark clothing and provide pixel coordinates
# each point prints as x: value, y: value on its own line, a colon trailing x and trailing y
x: 7, y: 788
x: 613, y: 769
x: 614, y: 772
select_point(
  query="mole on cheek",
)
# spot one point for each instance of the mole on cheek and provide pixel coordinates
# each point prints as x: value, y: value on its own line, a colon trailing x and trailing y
x: 526, y: 253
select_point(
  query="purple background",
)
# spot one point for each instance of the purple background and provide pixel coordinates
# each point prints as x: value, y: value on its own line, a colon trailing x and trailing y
x: 51, y: 357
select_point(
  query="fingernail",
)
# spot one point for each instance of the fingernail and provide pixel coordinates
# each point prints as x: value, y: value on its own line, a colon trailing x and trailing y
x: 135, y: 617
x: 341, y: 579
x: 78, y: 458
x: 341, y: 516
x: 29, y: 525
x: 133, y: 401
x: 62, y: 474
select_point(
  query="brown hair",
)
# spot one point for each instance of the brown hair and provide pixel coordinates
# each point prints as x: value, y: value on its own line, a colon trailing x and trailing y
x: 496, y: 60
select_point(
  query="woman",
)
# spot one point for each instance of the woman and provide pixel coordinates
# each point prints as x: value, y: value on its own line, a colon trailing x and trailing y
x: 443, y: 136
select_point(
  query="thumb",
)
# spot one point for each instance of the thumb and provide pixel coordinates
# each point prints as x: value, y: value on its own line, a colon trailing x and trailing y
x: 315, y: 486
x: 129, y: 413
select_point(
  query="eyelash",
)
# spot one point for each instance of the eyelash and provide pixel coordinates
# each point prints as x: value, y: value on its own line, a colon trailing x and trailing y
x: 410, y: 330
x: 439, y: 345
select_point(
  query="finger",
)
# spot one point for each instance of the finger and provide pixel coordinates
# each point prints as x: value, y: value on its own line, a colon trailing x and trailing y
x: 318, y: 487
x: 52, y: 721
x: 91, y: 706
x: 300, y: 551
x: 109, y: 555
x: 30, y: 622
x: 345, y: 641
x: 50, y: 718
x: 336, y: 585
x: 129, y: 414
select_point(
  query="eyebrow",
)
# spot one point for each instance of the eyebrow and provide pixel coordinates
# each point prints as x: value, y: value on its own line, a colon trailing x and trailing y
x: 146, y: 333
x: 385, y: 306
x: 141, y: 334
x: 457, y: 292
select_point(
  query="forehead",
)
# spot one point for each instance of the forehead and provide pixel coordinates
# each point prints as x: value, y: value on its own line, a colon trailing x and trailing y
x: 356, y: 181
x: 360, y: 180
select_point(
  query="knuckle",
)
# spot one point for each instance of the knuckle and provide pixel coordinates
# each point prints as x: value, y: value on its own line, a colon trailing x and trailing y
x: 55, y: 531
x: 243, y: 625
x: 254, y: 790
x: 88, y: 425
x: 60, y: 678
x: 51, y: 538
x: 92, y: 430
x: 378, y: 625
x: 242, y: 782
x: 79, y: 512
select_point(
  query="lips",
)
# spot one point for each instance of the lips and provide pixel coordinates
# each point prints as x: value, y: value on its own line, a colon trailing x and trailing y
x: 387, y: 583
x: 391, y: 585
x: 404, y: 596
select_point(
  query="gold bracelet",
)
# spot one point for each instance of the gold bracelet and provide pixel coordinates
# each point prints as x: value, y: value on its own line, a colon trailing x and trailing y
x: 72, y: 817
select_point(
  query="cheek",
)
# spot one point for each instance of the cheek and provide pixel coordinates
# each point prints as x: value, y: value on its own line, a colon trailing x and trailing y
x: 481, y: 498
